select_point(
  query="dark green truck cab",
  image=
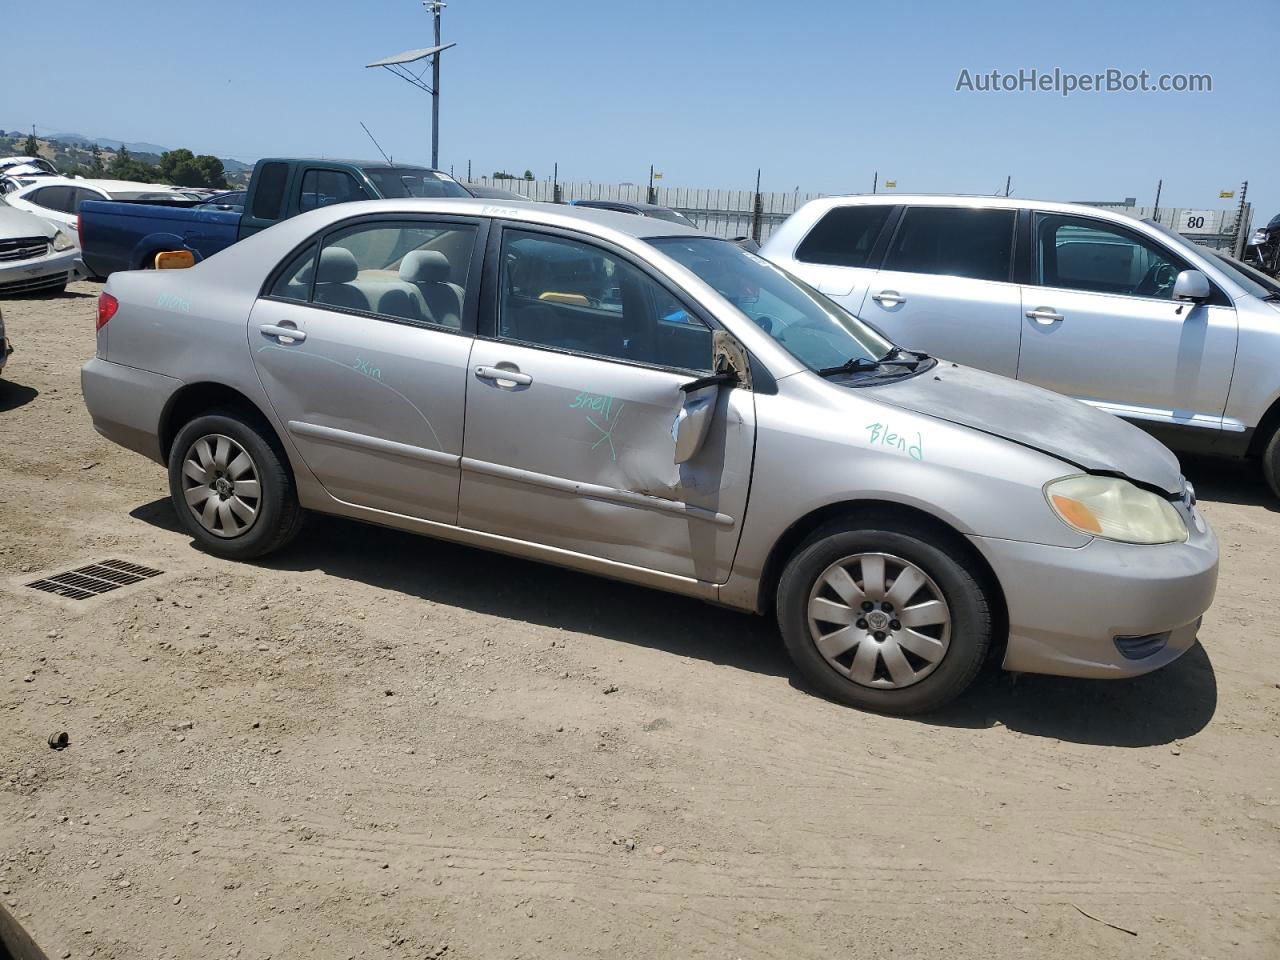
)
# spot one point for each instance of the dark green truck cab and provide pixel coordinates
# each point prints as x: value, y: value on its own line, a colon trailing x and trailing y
x: 127, y: 236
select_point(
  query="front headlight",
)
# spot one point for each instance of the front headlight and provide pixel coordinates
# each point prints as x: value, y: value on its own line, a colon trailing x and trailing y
x: 1115, y: 509
x: 62, y: 242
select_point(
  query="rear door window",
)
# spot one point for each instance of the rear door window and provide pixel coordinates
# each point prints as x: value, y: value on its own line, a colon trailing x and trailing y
x: 953, y: 242
x: 54, y: 198
x: 845, y: 236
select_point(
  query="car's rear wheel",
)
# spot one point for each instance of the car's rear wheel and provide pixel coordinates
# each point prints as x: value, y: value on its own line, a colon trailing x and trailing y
x: 231, y: 486
x: 888, y: 617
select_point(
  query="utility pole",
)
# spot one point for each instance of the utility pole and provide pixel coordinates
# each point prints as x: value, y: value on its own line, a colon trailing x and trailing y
x: 875, y: 181
x: 435, y: 6
x: 1156, y: 213
x: 1008, y: 182
x: 1241, y: 236
x: 399, y: 65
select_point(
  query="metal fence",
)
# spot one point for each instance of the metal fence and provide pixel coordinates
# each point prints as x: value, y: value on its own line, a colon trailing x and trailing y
x: 738, y: 213
x: 722, y: 213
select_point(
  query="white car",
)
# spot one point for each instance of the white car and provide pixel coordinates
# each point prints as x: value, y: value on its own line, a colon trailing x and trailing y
x: 36, y: 256
x: 58, y: 199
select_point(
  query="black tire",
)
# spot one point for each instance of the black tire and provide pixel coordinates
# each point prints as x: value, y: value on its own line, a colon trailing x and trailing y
x: 950, y: 574
x: 278, y: 515
x: 1271, y: 461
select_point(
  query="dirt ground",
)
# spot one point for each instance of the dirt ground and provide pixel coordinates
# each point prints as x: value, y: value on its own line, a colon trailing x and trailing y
x: 378, y: 745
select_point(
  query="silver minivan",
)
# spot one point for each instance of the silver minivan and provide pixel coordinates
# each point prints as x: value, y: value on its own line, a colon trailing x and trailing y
x: 631, y: 398
x: 1121, y: 313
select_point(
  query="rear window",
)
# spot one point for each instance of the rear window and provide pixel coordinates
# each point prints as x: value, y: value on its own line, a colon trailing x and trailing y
x: 845, y: 236
x: 953, y: 242
x: 268, y: 194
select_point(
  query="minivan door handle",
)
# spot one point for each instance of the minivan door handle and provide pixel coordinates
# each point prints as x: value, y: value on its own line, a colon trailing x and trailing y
x: 888, y: 298
x: 503, y: 375
x: 1044, y: 316
x: 288, y: 334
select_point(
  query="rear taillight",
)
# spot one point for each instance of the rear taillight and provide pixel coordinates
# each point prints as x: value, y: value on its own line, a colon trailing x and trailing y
x: 107, y: 307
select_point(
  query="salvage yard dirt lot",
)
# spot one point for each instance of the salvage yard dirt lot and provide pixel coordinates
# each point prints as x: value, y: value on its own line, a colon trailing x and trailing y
x: 378, y: 745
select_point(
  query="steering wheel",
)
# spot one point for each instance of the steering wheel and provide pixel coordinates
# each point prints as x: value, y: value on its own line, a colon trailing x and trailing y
x: 1159, y: 279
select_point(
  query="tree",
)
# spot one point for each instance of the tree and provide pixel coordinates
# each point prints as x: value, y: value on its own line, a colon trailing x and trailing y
x: 31, y: 148
x: 96, y: 167
x: 184, y: 169
x: 125, y: 167
x: 528, y: 174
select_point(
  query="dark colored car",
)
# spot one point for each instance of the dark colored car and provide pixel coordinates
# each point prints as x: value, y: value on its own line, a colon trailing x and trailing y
x: 481, y: 192
x: 640, y: 209
x: 233, y: 200
x: 1263, y: 251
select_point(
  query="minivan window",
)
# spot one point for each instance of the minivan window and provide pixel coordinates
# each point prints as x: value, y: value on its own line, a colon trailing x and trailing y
x: 845, y: 236
x: 268, y: 196
x: 954, y: 242
x: 1077, y: 253
x: 806, y: 324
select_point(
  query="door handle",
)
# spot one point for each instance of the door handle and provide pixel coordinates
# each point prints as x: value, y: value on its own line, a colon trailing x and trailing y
x: 290, y: 333
x: 888, y: 298
x: 1044, y: 316
x: 502, y: 375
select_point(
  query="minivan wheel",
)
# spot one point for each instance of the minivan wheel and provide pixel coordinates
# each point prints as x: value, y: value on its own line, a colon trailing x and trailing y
x: 231, y: 488
x: 1271, y: 461
x: 886, y: 618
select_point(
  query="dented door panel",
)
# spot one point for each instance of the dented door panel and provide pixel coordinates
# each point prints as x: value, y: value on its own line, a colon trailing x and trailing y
x: 582, y: 458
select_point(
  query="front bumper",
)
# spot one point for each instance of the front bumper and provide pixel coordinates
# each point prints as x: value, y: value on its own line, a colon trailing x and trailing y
x: 1068, y: 606
x: 21, y: 277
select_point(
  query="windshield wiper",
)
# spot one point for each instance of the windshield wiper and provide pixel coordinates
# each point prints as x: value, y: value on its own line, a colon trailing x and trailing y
x: 852, y: 365
x: 1271, y: 297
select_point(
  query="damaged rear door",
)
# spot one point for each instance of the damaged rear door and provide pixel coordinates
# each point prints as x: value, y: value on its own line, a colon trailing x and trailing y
x: 573, y: 398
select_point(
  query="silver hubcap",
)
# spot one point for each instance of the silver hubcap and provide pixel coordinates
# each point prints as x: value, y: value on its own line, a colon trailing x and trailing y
x: 879, y: 620
x: 220, y: 484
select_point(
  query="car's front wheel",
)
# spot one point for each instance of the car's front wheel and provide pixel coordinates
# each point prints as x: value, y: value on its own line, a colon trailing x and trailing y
x: 887, y: 617
x: 231, y: 487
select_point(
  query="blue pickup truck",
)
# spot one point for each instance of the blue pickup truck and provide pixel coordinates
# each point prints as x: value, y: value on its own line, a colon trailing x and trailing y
x: 127, y: 236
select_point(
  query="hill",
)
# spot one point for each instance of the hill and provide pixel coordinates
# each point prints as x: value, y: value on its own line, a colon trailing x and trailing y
x: 72, y: 154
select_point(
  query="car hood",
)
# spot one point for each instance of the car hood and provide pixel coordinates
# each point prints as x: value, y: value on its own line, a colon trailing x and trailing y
x: 1049, y: 422
x: 19, y: 223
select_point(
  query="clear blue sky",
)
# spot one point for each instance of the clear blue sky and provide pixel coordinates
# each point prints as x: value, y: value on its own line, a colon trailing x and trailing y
x: 818, y: 93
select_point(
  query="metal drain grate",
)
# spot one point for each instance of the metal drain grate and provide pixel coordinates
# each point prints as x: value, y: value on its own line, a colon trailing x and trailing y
x: 90, y: 581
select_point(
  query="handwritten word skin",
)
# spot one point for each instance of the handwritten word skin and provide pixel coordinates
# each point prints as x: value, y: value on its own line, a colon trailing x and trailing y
x: 360, y: 366
x: 879, y: 435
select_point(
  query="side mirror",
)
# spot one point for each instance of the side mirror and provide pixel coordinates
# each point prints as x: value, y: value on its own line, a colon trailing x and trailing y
x: 1191, y: 285
x: 693, y: 421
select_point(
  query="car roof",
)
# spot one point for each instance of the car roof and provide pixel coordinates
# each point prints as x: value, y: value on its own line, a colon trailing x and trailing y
x: 976, y: 201
x: 107, y: 186
x: 352, y: 163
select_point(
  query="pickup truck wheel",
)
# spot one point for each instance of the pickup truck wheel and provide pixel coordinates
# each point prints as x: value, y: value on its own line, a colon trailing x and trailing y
x: 231, y: 486
x: 885, y: 618
x: 1271, y: 461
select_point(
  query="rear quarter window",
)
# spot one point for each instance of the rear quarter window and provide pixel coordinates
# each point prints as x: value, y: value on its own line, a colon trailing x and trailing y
x: 845, y: 236
x: 268, y: 196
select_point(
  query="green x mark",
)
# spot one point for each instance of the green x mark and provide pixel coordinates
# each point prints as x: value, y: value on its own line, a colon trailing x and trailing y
x: 608, y: 434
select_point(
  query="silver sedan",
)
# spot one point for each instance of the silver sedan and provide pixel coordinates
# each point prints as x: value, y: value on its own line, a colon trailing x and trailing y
x: 634, y: 399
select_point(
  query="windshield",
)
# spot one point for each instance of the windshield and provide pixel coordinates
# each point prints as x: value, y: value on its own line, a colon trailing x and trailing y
x: 1255, y: 283
x: 399, y: 183
x: 805, y: 323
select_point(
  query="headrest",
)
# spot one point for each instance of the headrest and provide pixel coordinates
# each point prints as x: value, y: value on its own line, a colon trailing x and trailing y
x: 337, y: 265
x: 425, y: 266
